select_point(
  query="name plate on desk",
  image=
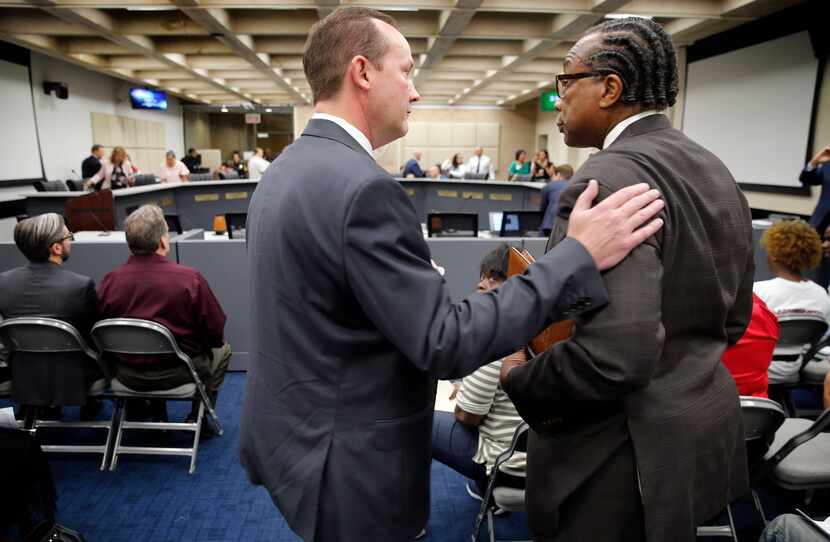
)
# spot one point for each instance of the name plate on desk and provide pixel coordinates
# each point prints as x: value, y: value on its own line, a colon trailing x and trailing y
x: 410, y: 191
x: 472, y: 195
x: 447, y: 193
x: 165, y: 202
x: 236, y: 195
x: 498, y: 196
x: 206, y: 197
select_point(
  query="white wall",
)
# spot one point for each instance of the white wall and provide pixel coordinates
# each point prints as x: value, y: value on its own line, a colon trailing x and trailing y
x: 65, y: 126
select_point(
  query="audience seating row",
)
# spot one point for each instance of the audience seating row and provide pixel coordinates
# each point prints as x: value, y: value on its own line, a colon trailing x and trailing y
x: 51, y: 337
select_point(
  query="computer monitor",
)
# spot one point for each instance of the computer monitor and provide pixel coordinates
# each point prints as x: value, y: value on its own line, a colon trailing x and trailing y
x: 174, y: 225
x: 495, y: 220
x: 236, y: 223
x: 452, y: 225
x: 521, y: 224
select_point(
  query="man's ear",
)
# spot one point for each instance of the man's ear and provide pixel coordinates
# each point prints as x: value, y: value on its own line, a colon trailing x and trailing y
x: 358, y: 71
x: 612, y: 91
x: 56, y: 249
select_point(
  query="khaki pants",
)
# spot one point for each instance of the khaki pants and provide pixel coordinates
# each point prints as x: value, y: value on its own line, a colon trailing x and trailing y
x: 210, y: 366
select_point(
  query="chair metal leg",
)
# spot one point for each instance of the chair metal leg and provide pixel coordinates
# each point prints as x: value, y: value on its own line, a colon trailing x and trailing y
x: 759, y: 507
x: 123, y: 407
x: 196, y: 434
x: 731, y: 523
x: 110, y: 431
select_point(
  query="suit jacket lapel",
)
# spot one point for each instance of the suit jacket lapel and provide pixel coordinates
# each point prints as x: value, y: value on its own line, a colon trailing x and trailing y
x: 330, y: 130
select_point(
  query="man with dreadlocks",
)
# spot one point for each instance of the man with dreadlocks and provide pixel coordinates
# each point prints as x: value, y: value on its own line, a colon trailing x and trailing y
x: 636, y: 425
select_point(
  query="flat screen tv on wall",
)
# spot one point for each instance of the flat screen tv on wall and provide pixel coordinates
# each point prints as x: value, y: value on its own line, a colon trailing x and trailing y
x: 146, y: 98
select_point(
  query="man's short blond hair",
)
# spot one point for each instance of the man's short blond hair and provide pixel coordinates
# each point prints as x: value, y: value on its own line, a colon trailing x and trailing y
x: 334, y: 41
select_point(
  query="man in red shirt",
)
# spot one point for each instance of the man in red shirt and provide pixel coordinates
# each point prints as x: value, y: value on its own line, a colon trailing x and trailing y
x: 748, y: 360
x: 151, y: 287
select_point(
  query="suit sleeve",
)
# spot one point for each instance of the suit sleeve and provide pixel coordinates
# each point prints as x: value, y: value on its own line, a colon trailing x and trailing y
x: 812, y: 177
x: 387, y: 264
x: 738, y: 317
x: 612, y: 352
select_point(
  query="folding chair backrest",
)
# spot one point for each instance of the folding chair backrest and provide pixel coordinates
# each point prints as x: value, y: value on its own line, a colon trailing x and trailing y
x: 35, y: 334
x: 800, y: 330
x: 519, y: 441
x: 762, y: 417
x: 135, y: 336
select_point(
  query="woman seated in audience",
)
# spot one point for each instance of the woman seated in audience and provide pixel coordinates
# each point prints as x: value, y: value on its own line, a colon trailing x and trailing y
x: 117, y: 172
x: 239, y: 165
x: 748, y: 360
x: 226, y: 171
x: 793, y: 248
x: 539, y: 170
x: 520, y: 165
x: 454, y: 167
x: 470, y: 439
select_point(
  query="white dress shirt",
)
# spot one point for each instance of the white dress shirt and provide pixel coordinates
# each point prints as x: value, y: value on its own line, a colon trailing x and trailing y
x: 356, y: 134
x: 625, y: 123
x: 256, y: 167
x: 173, y: 174
x: 481, y: 164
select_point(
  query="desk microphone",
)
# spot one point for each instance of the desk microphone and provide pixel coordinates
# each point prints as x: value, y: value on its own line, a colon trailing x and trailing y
x: 104, y: 231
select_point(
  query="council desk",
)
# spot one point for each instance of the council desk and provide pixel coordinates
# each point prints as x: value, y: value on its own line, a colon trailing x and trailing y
x: 197, y: 203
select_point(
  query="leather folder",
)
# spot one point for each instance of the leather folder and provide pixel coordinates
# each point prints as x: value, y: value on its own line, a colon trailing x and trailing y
x: 518, y: 262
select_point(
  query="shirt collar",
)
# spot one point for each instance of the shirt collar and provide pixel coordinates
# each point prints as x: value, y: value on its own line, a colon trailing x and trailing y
x: 356, y: 134
x: 625, y: 123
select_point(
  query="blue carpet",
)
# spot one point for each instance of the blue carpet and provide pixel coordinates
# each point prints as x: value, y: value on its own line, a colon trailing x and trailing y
x: 153, y: 499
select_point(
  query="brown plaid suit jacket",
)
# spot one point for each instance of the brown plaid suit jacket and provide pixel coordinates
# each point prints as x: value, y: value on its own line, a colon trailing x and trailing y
x: 647, y: 367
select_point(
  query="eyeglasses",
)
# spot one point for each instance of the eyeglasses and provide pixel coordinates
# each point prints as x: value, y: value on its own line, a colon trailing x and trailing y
x: 563, y: 80
x: 70, y: 236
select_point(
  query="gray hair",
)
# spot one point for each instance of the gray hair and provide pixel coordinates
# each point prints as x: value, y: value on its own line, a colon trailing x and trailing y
x: 33, y: 236
x: 144, y: 229
x: 170, y: 154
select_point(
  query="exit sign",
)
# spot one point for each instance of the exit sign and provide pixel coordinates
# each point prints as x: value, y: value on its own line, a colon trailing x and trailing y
x: 253, y: 118
x: 548, y: 100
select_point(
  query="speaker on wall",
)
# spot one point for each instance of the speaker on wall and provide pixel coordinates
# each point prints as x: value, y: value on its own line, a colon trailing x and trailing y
x: 61, y: 89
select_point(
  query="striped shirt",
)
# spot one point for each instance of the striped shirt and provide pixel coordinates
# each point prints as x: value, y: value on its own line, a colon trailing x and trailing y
x: 482, y: 395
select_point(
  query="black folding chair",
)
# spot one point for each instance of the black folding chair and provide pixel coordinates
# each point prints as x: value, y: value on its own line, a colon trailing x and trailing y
x: 55, y: 338
x: 506, y: 498
x: 144, y: 337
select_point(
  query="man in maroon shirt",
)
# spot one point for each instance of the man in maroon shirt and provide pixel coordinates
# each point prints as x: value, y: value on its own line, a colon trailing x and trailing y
x: 151, y: 287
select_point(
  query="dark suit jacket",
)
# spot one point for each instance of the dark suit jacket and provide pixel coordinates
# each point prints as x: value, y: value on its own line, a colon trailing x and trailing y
x: 647, y: 367
x: 820, y: 176
x: 352, y: 325
x: 90, y: 166
x: 412, y: 166
x: 47, y: 289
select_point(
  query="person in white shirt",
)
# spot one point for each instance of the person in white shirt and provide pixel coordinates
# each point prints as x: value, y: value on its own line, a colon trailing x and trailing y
x: 172, y: 170
x: 793, y: 248
x: 257, y: 165
x: 480, y: 164
x: 454, y: 167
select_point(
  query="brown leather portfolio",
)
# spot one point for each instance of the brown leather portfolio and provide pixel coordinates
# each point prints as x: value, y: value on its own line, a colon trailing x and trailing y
x: 518, y: 263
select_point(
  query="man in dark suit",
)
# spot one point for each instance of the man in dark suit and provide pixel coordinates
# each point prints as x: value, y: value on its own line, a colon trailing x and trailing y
x: 636, y: 424
x: 817, y: 173
x: 413, y: 166
x: 92, y: 164
x: 352, y: 324
x: 45, y: 288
